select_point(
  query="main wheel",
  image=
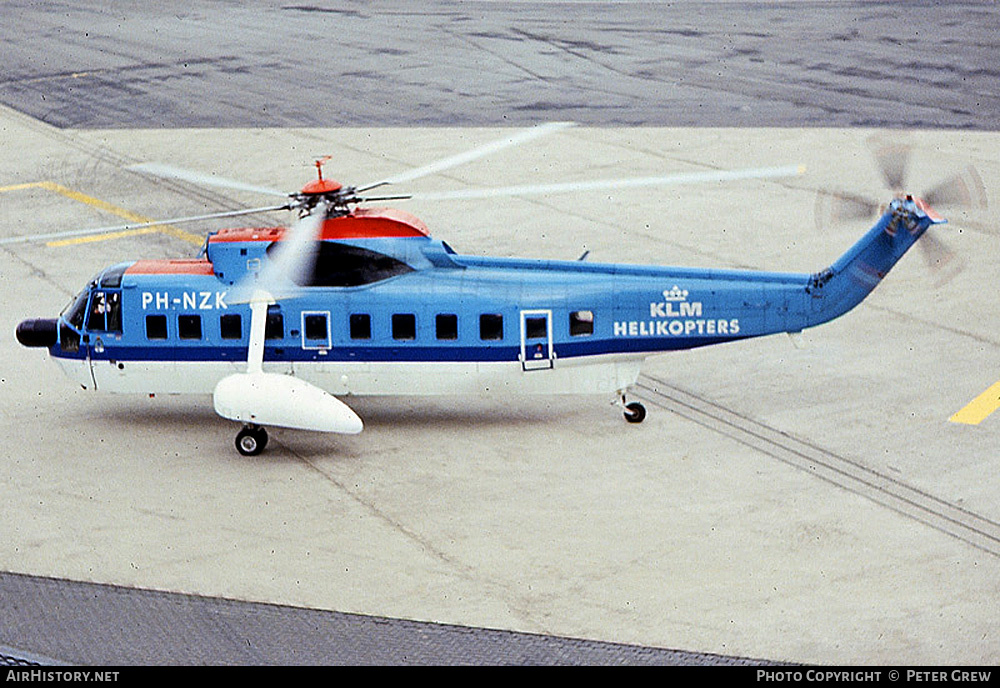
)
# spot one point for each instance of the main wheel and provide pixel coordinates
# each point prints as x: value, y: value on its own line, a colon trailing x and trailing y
x: 251, y: 440
x: 635, y: 412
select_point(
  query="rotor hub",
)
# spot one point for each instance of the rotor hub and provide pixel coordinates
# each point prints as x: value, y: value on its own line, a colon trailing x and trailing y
x: 321, y: 186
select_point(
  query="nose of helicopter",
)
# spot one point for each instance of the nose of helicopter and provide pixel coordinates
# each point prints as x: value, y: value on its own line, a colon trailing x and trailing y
x: 37, y: 332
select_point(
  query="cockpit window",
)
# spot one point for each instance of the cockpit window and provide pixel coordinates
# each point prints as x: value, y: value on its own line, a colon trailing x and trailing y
x: 77, y: 309
x: 105, y: 311
x: 339, y: 265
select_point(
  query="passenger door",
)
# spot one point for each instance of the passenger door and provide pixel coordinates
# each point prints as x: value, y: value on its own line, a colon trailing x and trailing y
x: 537, y: 352
x: 316, y: 331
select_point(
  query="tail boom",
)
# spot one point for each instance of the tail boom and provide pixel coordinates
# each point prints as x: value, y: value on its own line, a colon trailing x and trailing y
x: 852, y: 277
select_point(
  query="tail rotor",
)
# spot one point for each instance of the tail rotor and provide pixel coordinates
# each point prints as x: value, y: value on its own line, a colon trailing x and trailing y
x: 960, y: 193
x: 893, y: 159
x: 964, y: 190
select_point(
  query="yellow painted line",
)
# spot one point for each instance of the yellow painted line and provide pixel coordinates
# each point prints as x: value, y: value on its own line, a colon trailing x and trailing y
x: 18, y: 187
x: 120, y: 212
x: 108, y: 208
x: 95, y: 202
x: 181, y: 234
x: 979, y: 408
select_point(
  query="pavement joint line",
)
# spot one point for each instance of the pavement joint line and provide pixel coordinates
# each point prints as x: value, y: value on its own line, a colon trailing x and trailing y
x: 74, y: 237
x: 856, y: 477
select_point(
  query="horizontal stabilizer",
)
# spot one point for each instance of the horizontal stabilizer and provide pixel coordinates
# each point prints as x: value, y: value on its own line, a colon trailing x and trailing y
x: 283, y: 401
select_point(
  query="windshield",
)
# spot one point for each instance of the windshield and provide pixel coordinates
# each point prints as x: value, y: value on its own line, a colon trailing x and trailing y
x: 77, y: 308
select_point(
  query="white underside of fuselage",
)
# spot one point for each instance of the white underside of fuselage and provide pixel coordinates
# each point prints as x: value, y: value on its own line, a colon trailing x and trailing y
x: 603, y: 374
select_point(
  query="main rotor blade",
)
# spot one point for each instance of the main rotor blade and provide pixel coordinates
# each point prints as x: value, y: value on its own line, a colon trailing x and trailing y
x: 289, y: 265
x: 474, y: 154
x: 605, y: 184
x: 170, y: 172
x: 136, y: 225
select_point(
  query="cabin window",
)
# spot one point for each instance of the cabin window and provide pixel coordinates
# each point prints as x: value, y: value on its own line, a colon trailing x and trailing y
x: 581, y: 323
x: 491, y: 326
x: 361, y: 326
x: 156, y: 327
x: 447, y: 326
x: 536, y: 327
x: 189, y: 326
x: 404, y: 326
x: 315, y: 326
x: 231, y: 326
x: 275, y: 327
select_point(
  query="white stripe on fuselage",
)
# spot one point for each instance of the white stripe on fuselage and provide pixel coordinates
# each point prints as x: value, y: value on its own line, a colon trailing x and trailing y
x: 606, y: 373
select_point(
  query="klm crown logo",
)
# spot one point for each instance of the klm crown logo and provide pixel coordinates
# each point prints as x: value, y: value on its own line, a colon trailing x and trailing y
x: 675, y: 294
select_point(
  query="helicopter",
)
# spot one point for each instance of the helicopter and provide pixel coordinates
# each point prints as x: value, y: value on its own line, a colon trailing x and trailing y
x: 279, y: 324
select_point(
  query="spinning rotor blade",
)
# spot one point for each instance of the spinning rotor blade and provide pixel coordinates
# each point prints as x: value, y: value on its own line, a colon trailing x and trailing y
x: 170, y: 172
x: 289, y: 264
x: 837, y: 208
x: 379, y: 199
x: 942, y: 261
x: 962, y: 191
x: 892, y: 159
x: 136, y: 225
x: 605, y: 184
x: 965, y: 190
x: 474, y: 154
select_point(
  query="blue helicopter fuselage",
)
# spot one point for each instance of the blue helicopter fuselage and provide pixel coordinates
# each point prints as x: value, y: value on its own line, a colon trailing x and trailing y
x: 389, y: 310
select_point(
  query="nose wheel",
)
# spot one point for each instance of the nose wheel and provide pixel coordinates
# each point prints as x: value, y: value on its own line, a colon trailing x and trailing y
x: 251, y: 440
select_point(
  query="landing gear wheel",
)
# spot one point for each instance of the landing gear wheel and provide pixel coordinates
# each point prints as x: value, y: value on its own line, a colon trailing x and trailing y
x: 251, y: 440
x: 635, y: 412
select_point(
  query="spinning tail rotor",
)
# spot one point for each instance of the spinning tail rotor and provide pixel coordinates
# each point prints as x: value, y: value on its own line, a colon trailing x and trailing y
x: 963, y: 191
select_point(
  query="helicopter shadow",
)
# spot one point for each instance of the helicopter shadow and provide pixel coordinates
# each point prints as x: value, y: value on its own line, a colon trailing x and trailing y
x: 169, y: 425
x: 461, y: 412
x: 432, y: 426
